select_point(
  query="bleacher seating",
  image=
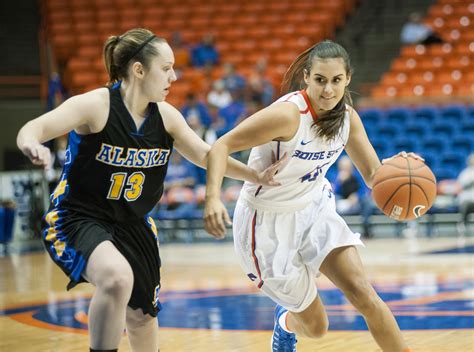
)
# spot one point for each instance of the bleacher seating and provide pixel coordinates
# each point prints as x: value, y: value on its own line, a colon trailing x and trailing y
x: 438, y: 70
x: 444, y: 136
x: 245, y: 31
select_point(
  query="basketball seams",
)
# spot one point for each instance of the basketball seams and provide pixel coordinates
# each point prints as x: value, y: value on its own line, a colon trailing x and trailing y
x: 424, y: 193
x: 404, y: 176
x: 409, y: 188
x: 392, y: 195
x: 388, y: 188
x: 402, y: 168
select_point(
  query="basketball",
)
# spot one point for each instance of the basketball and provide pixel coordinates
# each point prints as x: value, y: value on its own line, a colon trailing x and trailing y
x: 404, y: 188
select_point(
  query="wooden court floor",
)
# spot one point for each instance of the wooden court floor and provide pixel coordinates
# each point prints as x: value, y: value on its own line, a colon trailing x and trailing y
x: 210, y: 304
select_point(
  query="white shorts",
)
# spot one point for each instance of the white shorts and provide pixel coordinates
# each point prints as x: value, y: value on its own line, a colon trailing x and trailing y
x: 282, y: 252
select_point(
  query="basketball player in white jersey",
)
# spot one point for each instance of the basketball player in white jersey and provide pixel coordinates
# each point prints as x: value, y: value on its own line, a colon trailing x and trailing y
x: 285, y: 234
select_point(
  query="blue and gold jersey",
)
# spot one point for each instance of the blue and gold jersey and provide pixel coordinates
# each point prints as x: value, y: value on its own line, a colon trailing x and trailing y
x: 116, y: 174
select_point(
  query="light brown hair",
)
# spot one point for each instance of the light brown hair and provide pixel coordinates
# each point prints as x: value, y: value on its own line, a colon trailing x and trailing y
x: 120, y: 50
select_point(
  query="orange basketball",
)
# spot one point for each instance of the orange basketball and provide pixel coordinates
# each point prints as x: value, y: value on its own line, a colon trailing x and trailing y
x: 404, y: 188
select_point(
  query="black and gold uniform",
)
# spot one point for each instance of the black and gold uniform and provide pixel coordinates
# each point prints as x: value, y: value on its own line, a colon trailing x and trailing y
x: 111, y: 180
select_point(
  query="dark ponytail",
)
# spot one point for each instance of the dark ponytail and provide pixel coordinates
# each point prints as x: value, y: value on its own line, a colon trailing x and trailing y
x: 120, y: 50
x: 328, y: 124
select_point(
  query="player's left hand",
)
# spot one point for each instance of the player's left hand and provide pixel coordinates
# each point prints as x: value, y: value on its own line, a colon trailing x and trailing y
x: 216, y: 217
x: 266, y: 177
x: 404, y: 154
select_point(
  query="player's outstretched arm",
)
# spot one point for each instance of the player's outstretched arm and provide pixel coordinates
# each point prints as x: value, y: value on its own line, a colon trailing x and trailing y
x: 86, y: 112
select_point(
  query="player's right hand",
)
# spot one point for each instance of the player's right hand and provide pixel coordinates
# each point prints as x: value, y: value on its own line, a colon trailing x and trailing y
x: 216, y: 218
x: 38, y: 154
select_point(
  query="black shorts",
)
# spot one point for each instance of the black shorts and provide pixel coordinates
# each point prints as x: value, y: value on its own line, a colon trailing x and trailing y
x: 70, y: 239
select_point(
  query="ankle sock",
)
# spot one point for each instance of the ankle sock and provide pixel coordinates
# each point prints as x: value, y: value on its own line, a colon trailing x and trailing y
x: 282, y: 322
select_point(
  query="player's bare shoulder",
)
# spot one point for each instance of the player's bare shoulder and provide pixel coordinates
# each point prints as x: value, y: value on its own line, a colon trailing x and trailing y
x: 172, y: 117
x: 93, y: 107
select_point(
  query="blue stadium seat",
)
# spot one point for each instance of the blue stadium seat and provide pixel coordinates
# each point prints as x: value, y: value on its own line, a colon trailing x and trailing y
x: 425, y: 114
x: 405, y: 143
x: 453, y: 113
x: 444, y: 129
x: 387, y: 131
x: 463, y: 143
x: 371, y: 116
x: 431, y: 159
x: 467, y: 127
x: 399, y: 116
x: 453, y: 160
x: 415, y: 130
x: 381, y: 146
x: 470, y: 112
x: 443, y: 173
x: 433, y: 144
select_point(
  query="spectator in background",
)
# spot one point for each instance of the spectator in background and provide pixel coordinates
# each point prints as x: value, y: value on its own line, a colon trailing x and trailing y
x: 233, y: 82
x: 180, y: 180
x: 181, y: 53
x: 231, y: 114
x: 207, y: 134
x: 194, y: 107
x: 466, y: 196
x: 219, y: 96
x: 56, y: 92
x: 205, y: 53
x: 416, y: 32
x: 260, y: 89
x: 346, y: 188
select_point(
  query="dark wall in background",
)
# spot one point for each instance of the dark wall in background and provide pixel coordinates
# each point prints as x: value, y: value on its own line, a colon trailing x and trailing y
x: 13, y: 115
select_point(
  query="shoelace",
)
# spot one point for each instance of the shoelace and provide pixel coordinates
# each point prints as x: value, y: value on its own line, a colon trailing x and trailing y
x: 285, y: 340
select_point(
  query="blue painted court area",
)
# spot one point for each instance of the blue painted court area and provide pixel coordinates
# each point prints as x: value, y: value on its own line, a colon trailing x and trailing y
x: 444, y: 308
x: 455, y: 250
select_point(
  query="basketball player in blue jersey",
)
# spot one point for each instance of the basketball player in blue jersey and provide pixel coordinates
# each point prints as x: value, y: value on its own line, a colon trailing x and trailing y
x: 120, y: 141
x: 285, y: 234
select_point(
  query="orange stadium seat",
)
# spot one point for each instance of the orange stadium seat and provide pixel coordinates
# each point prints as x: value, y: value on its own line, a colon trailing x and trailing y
x: 440, y: 89
x: 384, y: 92
x: 413, y: 50
x: 466, y: 89
x: 393, y: 78
x: 430, y: 63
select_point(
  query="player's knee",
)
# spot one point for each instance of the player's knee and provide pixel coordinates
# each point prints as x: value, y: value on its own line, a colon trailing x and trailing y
x: 317, y: 328
x: 137, y: 320
x: 117, y: 282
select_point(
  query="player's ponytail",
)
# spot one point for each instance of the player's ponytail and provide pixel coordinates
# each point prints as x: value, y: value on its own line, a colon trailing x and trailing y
x: 329, y: 124
x: 121, y: 51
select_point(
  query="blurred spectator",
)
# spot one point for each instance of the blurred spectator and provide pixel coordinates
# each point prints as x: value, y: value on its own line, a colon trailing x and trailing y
x: 205, y: 53
x: 179, y: 183
x: 181, y: 52
x: 346, y: 188
x: 416, y: 32
x: 208, y: 135
x: 56, y: 92
x: 232, y: 114
x: 260, y: 88
x: 219, y: 96
x: 181, y: 173
x: 195, y: 108
x: 466, y: 196
x: 233, y: 82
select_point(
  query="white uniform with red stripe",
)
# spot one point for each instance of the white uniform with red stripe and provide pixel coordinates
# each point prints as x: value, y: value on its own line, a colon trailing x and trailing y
x: 282, y: 234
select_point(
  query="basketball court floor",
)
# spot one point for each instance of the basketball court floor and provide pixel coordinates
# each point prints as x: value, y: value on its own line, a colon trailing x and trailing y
x: 209, y: 304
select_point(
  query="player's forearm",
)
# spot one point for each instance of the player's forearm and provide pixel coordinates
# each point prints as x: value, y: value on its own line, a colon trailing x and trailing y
x: 240, y: 171
x: 28, y: 134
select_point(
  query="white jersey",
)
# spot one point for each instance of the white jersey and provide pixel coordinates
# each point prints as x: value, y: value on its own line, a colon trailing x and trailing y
x: 302, y: 177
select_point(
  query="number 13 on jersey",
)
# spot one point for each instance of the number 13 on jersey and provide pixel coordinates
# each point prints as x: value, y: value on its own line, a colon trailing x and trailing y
x: 133, y: 185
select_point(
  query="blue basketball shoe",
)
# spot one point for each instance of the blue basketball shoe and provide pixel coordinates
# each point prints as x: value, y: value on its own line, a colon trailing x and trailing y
x: 282, y: 341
